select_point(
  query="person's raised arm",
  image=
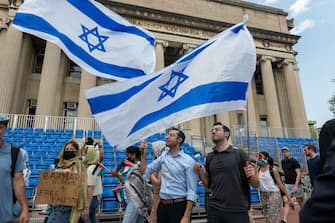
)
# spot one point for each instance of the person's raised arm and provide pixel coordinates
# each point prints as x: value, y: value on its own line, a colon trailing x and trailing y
x: 143, y: 149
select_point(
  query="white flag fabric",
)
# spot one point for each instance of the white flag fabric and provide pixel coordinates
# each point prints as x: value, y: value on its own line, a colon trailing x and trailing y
x: 212, y: 78
x: 97, y: 39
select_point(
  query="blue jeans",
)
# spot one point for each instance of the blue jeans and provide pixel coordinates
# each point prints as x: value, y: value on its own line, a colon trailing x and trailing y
x: 132, y: 214
x: 59, y: 214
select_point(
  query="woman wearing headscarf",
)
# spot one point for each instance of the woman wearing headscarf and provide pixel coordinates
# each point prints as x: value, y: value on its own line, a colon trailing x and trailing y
x: 70, y: 162
x: 94, y: 185
x: 320, y: 207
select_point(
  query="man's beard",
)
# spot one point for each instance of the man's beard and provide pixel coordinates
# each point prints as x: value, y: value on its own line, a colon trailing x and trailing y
x: 217, y: 140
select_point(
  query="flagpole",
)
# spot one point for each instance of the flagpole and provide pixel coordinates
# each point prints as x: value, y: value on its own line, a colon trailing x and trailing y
x: 248, y: 128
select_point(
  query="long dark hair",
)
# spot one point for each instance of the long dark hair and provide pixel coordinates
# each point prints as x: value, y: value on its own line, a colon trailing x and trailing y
x: 267, y: 157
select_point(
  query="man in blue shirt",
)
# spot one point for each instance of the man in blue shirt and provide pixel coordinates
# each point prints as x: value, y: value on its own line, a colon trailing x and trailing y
x: 314, y: 163
x: 10, y: 212
x: 179, y: 181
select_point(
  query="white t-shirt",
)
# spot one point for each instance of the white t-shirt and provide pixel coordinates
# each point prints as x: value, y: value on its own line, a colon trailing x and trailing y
x: 94, y: 180
x: 266, y: 183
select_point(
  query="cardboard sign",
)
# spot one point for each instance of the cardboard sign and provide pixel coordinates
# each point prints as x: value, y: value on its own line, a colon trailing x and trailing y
x: 58, y: 188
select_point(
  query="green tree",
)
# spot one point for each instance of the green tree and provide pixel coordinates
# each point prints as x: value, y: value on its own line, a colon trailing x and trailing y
x: 332, y: 103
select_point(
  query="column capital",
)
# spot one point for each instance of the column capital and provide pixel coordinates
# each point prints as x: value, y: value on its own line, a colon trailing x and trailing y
x: 164, y: 43
x: 186, y: 47
x: 4, y: 22
x: 286, y: 62
x: 265, y: 58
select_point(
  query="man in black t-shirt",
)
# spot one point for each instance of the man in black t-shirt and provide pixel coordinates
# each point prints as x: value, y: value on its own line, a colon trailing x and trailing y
x: 227, y: 174
x: 292, y: 172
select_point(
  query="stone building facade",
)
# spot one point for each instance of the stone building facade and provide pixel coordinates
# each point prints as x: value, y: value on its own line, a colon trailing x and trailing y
x: 37, y: 78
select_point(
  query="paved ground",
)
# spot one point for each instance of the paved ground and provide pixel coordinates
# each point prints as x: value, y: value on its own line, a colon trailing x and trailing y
x: 293, y: 217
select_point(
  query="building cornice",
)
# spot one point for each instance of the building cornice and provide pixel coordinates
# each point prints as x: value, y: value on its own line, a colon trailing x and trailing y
x: 163, y: 17
x: 251, y: 5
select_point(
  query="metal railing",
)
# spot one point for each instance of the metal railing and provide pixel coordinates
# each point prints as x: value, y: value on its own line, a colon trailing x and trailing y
x: 259, y: 131
x: 50, y: 122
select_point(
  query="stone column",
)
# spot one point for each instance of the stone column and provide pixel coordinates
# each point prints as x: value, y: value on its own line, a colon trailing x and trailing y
x: 296, y: 103
x: 87, y: 81
x: 49, y: 79
x: 9, y: 65
x: 194, y: 125
x: 251, y: 107
x: 159, y: 51
x: 270, y: 93
x: 223, y: 118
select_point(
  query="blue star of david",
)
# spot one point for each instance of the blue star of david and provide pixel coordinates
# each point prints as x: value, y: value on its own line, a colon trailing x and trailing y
x: 90, y: 41
x: 175, y: 81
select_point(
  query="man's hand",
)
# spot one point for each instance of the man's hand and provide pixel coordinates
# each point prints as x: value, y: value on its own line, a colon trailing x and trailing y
x: 85, y: 214
x: 185, y: 219
x: 295, y: 189
x: 24, y: 217
x: 199, y: 169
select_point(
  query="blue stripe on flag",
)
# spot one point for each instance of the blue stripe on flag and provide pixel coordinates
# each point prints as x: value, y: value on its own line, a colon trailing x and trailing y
x: 209, y: 93
x: 236, y: 29
x: 109, y: 102
x: 103, y: 20
x: 30, y: 21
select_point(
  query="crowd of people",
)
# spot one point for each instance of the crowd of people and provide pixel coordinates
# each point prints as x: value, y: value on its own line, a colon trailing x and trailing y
x: 165, y: 190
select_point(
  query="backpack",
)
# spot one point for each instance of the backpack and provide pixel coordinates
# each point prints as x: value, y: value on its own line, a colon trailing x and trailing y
x: 14, y: 150
x: 244, y: 180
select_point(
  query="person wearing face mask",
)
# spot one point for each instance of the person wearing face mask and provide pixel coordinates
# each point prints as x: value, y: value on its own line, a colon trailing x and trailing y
x: 137, y: 157
x: 70, y: 162
x: 271, y: 188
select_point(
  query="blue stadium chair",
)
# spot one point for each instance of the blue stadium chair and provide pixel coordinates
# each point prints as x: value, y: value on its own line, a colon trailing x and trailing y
x: 108, y: 155
x: 97, y: 134
x: 254, y: 194
x: 39, y: 130
x: 33, y: 181
x: 108, y: 191
x: 35, y: 172
x: 202, y: 200
x: 79, y: 133
x: 50, y: 131
x: 89, y: 133
x: 109, y: 206
x: 29, y: 193
x: 200, y: 190
x: 109, y: 180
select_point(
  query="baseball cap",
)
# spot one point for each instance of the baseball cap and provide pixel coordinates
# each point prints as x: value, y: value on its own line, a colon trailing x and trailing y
x: 285, y: 148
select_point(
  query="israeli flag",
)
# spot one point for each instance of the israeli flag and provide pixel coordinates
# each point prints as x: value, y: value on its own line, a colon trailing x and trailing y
x: 97, y: 39
x: 212, y: 78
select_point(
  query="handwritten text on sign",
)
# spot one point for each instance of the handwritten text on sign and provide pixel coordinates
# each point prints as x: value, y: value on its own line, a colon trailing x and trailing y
x: 58, y: 188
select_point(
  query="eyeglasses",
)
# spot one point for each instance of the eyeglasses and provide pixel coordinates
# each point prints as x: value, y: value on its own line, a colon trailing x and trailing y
x: 172, y: 134
x: 217, y: 129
